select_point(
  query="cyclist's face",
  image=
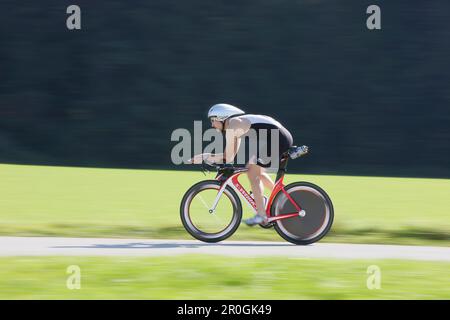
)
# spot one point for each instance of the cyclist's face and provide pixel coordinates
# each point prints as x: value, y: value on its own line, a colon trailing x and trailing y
x: 216, y: 124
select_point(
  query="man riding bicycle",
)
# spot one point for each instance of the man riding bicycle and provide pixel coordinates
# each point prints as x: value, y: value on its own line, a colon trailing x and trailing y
x: 270, y: 134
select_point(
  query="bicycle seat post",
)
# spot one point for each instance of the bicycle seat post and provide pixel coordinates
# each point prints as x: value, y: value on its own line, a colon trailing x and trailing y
x: 282, y: 168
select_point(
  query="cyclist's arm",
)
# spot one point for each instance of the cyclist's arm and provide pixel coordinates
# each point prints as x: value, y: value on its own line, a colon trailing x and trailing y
x: 214, y: 158
x: 231, y: 148
x: 236, y: 128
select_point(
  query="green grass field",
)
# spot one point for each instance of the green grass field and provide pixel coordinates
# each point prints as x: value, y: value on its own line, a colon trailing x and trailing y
x: 82, y: 202
x: 213, y: 277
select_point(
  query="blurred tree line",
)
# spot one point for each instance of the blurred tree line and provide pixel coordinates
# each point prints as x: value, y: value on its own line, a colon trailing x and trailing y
x: 110, y: 94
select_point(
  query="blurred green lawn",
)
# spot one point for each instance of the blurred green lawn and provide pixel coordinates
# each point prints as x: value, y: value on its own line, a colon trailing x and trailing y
x: 215, y: 277
x: 92, y: 202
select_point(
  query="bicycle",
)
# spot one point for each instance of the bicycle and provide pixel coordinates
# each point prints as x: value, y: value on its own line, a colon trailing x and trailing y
x: 211, y: 210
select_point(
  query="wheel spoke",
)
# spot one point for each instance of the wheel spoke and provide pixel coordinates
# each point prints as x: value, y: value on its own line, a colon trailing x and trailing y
x: 217, y: 218
x: 204, y: 202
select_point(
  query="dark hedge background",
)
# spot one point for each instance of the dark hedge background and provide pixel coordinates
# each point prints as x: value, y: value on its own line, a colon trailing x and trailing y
x: 109, y: 95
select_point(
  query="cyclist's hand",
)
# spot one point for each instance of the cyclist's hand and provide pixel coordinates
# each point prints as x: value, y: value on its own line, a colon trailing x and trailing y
x: 196, y: 159
x: 199, y: 158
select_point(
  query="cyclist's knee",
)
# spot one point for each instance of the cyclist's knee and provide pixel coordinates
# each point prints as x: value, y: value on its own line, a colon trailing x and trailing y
x: 253, y: 170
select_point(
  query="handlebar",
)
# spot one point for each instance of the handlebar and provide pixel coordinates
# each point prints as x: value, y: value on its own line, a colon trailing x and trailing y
x: 210, y: 166
x: 206, y: 166
x: 293, y: 153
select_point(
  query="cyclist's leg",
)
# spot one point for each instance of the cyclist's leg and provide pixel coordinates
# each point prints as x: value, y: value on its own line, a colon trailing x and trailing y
x: 285, y: 141
x: 254, y: 175
x: 257, y: 180
x: 267, y: 180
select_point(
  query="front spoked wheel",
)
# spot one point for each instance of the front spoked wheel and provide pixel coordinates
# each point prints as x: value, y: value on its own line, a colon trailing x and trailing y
x: 310, y: 225
x: 200, y: 221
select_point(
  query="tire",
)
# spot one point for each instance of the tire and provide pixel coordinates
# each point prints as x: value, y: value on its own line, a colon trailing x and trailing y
x: 319, y: 213
x: 229, y: 203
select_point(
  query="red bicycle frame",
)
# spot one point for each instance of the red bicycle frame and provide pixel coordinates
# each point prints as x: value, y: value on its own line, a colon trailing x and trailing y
x: 233, y: 182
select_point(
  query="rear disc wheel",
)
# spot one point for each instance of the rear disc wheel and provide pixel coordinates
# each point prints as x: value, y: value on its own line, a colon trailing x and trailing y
x: 318, y: 213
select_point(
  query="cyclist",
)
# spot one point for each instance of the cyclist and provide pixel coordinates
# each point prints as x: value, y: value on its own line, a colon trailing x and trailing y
x: 234, y: 123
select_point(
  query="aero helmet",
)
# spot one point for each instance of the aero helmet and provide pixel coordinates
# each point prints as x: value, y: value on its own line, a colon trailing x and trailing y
x: 223, y: 111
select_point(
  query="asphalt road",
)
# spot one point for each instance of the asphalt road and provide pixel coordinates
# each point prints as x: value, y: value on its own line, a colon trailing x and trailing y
x: 46, y: 246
